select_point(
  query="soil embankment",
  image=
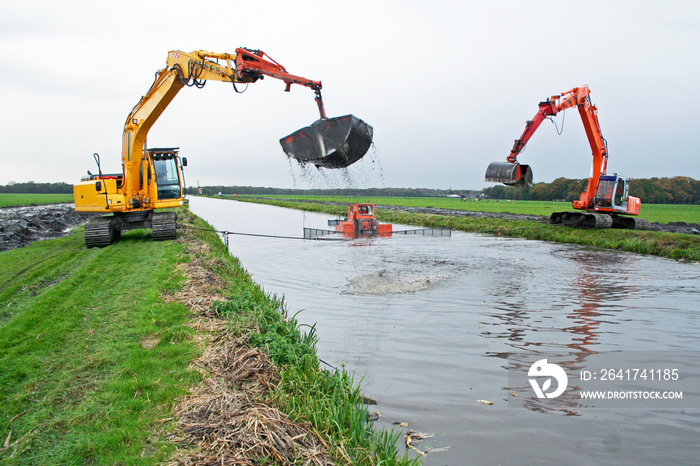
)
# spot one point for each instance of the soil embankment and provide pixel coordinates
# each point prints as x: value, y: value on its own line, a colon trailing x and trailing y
x: 20, y: 226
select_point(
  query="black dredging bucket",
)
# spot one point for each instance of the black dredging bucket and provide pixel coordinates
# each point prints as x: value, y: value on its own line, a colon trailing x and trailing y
x: 330, y: 142
x: 511, y: 174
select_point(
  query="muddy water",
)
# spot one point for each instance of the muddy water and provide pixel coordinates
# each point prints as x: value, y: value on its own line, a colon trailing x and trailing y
x: 427, y: 323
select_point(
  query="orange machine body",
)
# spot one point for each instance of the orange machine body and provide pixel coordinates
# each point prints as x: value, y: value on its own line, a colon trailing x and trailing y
x: 360, y: 221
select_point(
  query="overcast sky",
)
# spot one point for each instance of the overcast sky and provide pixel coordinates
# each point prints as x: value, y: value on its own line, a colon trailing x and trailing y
x: 447, y: 86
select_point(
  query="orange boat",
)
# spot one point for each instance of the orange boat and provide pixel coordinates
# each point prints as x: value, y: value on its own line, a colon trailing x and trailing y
x: 360, y: 222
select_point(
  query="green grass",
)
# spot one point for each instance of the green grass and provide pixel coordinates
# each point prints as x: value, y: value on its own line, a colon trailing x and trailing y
x: 16, y: 200
x: 93, y: 359
x: 666, y: 213
x: 662, y: 213
x: 78, y: 384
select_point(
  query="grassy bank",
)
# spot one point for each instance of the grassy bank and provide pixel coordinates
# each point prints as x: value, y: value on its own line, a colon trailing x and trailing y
x: 672, y: 245
x: 78, y: 385
x: 96, y: 354
x: 16, y: 200
x: 662, y: 213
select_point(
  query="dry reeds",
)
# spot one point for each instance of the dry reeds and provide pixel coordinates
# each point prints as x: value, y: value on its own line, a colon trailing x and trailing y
x: 225, y: 420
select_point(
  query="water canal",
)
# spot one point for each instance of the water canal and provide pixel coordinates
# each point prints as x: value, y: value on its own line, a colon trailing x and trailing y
x: 429, y: 324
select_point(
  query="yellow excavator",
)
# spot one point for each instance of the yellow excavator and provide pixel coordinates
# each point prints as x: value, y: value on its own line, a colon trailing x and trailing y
x: 152, y: 178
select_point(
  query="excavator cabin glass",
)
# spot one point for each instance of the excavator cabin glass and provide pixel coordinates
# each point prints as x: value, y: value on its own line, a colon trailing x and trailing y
x: 611, y: 192
x: 167, y: 176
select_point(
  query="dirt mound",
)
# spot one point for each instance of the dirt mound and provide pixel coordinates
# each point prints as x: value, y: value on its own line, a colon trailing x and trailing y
x: 676, y: 227
x: 20, y: 226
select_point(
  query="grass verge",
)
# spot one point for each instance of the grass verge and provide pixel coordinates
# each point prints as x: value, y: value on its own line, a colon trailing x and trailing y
x: 671, y: 245
x: 95, y: 358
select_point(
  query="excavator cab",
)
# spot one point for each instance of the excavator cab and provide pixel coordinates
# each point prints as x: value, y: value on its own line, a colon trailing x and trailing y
x: 167, y: 172
x: 510, y: 174
x: 612, y: 192
x: 330, y: 142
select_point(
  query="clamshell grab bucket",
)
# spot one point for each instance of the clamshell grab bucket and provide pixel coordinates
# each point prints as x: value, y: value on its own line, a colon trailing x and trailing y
x: 511, y: 174
x: 330, y: 142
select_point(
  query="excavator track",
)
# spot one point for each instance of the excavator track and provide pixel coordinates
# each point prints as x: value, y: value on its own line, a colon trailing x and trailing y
x: 641, y: 224
x: 581, y: 220
x: 630, y: 223
x: 164, y: 226
x: 101, y: 231
x: 599, y: 221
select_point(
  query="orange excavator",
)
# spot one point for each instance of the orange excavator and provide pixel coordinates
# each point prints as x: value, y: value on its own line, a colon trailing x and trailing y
x: 606, y: 201
x: 152, y: 178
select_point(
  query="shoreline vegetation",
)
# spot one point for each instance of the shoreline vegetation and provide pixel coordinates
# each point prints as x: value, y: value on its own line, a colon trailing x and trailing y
x: 166, y: 353
x: 671, y: 245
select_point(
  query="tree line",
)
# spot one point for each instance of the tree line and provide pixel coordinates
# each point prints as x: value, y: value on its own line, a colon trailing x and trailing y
x: 675, y: 190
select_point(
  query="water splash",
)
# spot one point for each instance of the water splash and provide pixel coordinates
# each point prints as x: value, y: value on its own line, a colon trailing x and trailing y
x: 365, y: 173
x: 387, y: 282
x: 374, y: 159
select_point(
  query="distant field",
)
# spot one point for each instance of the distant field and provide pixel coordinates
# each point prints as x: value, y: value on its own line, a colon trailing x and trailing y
x: 662, y: 213
x: 12, y: 200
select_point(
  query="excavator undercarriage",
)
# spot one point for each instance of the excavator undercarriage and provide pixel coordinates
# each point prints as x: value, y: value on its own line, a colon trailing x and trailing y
x: 597, y: 220
x: 103, y: 231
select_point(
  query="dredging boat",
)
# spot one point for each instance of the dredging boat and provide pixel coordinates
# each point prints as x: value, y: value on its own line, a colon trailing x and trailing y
x: 360, y: 221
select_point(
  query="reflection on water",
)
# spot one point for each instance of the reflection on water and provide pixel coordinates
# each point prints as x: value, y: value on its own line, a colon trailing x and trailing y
x: 430, y: 323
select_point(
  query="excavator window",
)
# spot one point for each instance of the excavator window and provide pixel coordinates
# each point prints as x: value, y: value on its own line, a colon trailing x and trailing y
x: 364, y: 210
x: 619, y: 192
x: 604, y: 193
x: 167, y: 177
